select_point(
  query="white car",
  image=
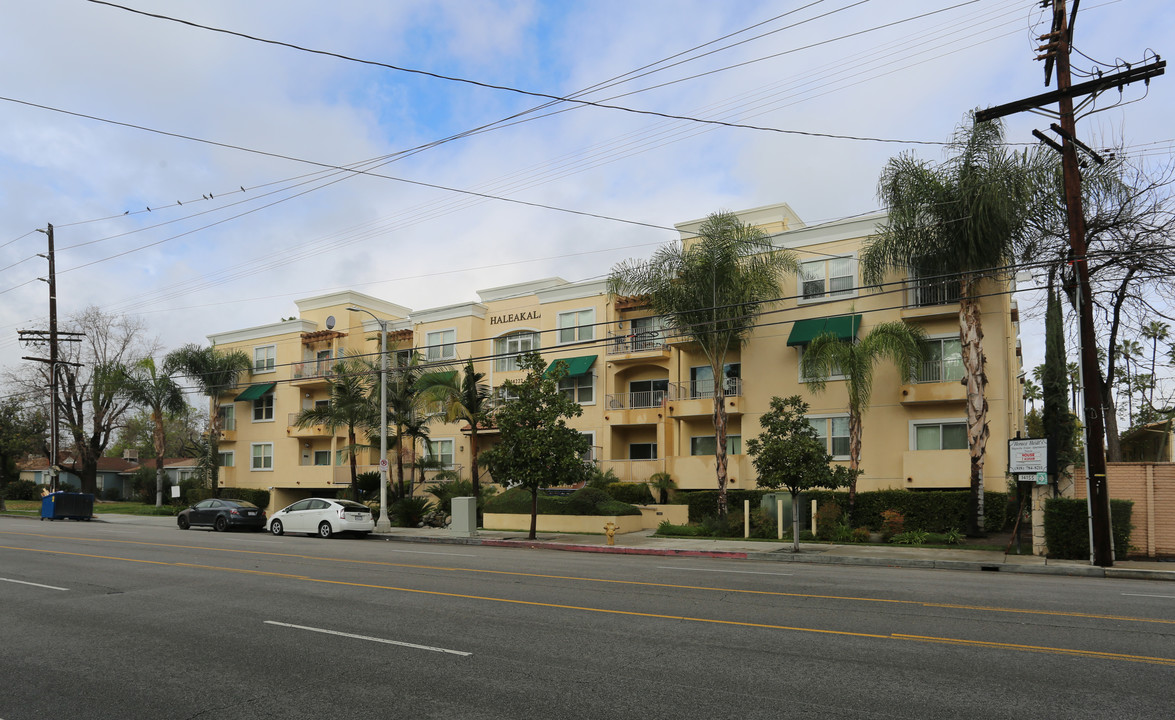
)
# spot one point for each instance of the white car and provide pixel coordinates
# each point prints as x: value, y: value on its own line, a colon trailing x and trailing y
x: 322, y: 517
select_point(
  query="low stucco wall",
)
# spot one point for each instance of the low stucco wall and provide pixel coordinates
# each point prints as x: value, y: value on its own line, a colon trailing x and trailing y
x: 654, y: 515
x: 563, y: 523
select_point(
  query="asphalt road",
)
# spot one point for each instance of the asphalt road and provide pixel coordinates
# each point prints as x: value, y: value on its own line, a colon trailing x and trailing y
x: 130, y: 621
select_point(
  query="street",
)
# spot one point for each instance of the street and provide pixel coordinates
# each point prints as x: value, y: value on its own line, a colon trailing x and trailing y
x: 135, y: 621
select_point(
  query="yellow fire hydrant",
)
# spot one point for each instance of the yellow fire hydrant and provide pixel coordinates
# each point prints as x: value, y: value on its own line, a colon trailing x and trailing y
x: 610, y: 531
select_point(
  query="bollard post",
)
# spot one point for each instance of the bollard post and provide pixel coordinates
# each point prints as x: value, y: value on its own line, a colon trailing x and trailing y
x: 779, y: 515
x: 746, y: 518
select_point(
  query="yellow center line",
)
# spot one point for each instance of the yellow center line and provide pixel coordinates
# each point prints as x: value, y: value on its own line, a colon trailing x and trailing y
x: 1092, y: 654
x: 611, y: 581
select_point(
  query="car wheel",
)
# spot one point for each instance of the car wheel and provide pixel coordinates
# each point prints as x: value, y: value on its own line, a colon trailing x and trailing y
x: 183, y: 523
x: 275, y: 527
x: 221, y: 524
x: 324, y: 530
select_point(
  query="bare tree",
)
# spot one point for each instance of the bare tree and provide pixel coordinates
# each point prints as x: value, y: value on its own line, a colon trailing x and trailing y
x: 1130, y: 227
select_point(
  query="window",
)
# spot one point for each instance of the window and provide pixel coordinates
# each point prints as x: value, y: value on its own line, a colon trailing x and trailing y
x: 642, y: 451
x: 399, y: 358
x: 590, y: 454
x: 938, y: 435
x: 701, y: 381
x: 262, y: 456
x: 322, y: 457
x: 508, y: 347
x: 647, y: 393
x: 263, y: 408
x: 264, y: 358
x: 831, y: 278
x: 647, y: 333
x: 505, y: 393
x: 942, y: 361
x: 441, y: 451
x: 837, y: 374
x: 577, y: 325
x: 706, y: 445
x: 442, y: 345
x: 228, y: 417
x: 834, y: 433
x: 225, y: 459
x: 581, y: 388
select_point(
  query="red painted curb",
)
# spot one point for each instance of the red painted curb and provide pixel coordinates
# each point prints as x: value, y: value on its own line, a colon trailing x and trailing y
x: 536, y: 545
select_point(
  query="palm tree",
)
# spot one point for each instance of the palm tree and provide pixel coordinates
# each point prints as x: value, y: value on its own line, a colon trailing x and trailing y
x: 711, y: 291
x: 469, y: 402
x: 962, y: 220
x: 145, y: 385
x: 828, y: 355
x: 216, y: 372
x: 1128, y: 350
x: 408, y: 410
x: 1031, y: 393
x: 349, y: 406
x: 1155, y: 331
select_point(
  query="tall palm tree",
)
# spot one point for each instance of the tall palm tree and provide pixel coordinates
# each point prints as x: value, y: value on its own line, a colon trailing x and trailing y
x: 157, y: 390
x: 466, y: 401
x: 1155, y: 331
x: 350, y: 406
x: 408, y: 409
x: 827, y: 355
x: 215, y: 372
x: 963, y: 220
x: 711, y: 291
x: 1031, y: 393
x: 1128, y: 350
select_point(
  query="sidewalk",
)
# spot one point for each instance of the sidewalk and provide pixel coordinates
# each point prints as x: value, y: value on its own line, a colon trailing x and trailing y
x: 643, y: 543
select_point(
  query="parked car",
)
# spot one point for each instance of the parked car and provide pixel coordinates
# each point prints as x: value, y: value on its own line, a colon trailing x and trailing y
x: 323, y: 517
x: 221, y: 514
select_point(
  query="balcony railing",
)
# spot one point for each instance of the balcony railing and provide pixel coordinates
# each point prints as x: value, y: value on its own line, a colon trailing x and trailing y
x: 621, y: 343
x: 704, y: 389
x: 933, y: 371
x: 313, y: 369
x: 642, y: 399
x: 927, y: 293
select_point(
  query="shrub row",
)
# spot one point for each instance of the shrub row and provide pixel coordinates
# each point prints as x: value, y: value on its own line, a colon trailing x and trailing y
x: 934, y: 511
x: 1066, y: 527
x: 588, y: 501
x: 258, y: 497
x: 633, y: 493
x: 21, y: 490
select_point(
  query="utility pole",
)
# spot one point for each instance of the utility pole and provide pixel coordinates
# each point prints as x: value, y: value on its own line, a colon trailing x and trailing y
x: 1056, y: 50
x: 53, y: 337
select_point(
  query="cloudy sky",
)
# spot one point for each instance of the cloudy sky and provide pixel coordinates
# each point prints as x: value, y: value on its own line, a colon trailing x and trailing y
x: 249, y: 209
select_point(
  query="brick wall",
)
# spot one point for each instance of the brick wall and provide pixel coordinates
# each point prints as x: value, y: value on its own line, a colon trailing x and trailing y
x: 1152, y: 488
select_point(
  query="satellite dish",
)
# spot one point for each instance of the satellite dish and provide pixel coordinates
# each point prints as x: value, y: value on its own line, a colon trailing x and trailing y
x: 330, y: 322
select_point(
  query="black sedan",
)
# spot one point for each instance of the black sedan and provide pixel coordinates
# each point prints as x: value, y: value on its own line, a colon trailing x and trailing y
x: 222, y: 514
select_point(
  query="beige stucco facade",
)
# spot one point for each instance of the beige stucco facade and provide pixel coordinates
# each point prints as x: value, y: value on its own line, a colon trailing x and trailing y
x: 646, y: 396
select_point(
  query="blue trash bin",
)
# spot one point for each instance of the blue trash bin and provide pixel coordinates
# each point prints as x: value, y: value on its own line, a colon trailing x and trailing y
x: 67, y: 506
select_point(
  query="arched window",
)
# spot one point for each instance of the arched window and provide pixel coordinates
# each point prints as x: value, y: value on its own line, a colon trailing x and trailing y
x: 507, y: 348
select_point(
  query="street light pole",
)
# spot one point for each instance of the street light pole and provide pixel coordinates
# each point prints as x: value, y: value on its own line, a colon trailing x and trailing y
x: 384, y: 524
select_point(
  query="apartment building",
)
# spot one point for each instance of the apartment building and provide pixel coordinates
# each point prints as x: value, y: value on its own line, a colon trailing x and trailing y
x: 647, y: 396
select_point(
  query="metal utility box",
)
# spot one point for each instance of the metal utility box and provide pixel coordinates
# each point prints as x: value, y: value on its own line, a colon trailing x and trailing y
x: 784, y: 498
x: 67, y: 506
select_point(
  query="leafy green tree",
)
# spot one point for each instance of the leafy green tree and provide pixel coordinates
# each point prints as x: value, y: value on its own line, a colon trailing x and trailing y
x: 157, y: 391
x: 350, y: 406
x: 711, y: 291
x: 181, y: 430
x: 468, y: 401
x: 536, y: 447
x: 22, y: 430
x: 1058, y: 423
x: 961, y: 219
x: 215, y: 372
x: 827, y: 355
x: 788, y: 454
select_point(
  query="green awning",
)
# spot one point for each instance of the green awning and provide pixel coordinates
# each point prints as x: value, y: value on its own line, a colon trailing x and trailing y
x: 576, y: 366
x: 254, y: 391
x: 805, y: 331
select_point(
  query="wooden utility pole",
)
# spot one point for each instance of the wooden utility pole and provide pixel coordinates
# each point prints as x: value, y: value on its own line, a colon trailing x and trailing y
x: 1056, y: 51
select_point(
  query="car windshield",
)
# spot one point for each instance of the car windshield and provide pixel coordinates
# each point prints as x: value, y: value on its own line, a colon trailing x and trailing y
x: 352, y: 505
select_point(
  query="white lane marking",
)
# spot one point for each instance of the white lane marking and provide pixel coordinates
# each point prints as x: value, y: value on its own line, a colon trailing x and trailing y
x: 366, y: 637
x: 22, y: 582
x: 740, y: 572
x: 1169, y: 597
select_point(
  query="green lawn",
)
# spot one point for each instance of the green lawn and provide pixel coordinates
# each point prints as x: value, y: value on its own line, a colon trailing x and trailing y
x: 33, y: 507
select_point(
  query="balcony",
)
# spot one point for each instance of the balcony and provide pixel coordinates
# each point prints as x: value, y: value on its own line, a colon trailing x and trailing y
x: 228, y: 429
x: 936, y: 381
x: 697, y: 472
x: 640, y: 346
x: 311, y: 431
x: 697, y: 398
x: 931, y: 298
x: 312, y: 372
x: 637, y: 408
x: 634, y: 470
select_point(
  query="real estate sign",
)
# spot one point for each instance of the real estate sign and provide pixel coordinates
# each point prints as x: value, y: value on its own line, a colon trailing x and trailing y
x: 1028, y: 456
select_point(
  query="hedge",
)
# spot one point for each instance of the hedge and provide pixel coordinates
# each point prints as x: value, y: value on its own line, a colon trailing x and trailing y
x: 631, y: 493
x: 588, y: 501
x: 931, y: 511
x: 1066, y: 527
x: 258, y: 497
